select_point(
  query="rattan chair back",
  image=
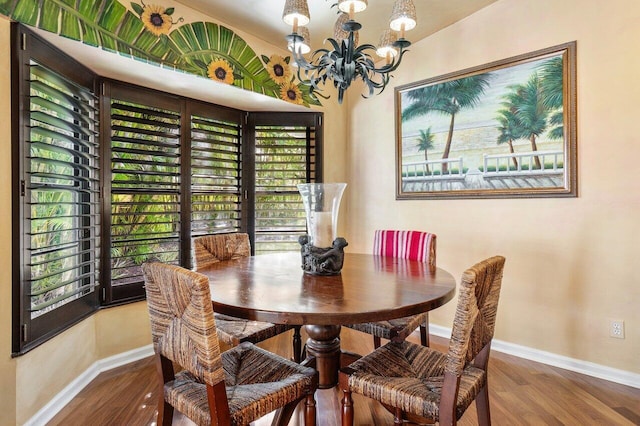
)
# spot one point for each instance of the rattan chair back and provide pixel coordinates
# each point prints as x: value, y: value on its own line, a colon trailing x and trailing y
x: 182, y: 322
x: 209, y: 249
x: 475, y: 317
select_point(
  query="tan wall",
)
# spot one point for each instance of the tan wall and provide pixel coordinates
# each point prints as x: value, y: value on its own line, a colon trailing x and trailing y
x: 122, y: 328
x: 109, y: 332
x: 7, y: 365
x: 335, y: 151
x: 47, y: 370
x: 570, y: 262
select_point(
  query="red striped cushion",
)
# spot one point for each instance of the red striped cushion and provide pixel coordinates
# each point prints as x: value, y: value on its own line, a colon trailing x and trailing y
x: 413, y: 245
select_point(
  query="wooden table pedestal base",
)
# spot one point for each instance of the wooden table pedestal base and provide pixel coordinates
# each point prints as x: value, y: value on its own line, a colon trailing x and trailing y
x: 324, y: 345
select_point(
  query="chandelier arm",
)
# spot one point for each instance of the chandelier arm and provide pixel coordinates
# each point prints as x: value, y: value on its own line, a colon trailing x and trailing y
x: 371, y: 83
x: 365, y: 47
x: 370, y: 87
x: 393, y: 65
x: 366, y: 73
x: 345, y: 64
x: 311, y: 79
x: 387, y: 68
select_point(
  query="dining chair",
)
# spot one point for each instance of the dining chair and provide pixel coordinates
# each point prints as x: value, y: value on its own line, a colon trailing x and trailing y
x: 412, y: 380
x: 210, y: 249
x: 213, y: 388
x: 412, y: 245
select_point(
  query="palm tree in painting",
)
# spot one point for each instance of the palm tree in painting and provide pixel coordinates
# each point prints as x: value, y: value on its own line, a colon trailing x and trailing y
x: 425, y: 143
x: 551, y: 80
x: 446, y: 98
x: 509, y: 131
x: 529, y: 111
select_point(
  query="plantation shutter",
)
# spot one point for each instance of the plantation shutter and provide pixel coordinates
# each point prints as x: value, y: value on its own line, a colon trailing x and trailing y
x: 144, y: 187
x: 286, y: 152
x: 216, y: 155
x: 104, y: 184
x: 58, y: 190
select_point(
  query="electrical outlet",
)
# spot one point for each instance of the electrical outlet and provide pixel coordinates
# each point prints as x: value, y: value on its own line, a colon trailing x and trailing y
x: 616, y: 329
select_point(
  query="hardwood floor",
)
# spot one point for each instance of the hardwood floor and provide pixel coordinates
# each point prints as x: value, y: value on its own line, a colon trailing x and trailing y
x: 522, y: 392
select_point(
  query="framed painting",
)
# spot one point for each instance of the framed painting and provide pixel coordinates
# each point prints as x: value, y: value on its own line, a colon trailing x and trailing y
x: 504, y: 129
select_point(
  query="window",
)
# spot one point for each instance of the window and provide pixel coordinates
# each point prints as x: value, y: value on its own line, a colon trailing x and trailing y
x: 56, y: 190
x: 176, y: 168
x: 107, y: 180
x: 216, y: 158
x: 142, y: 140
x: 284, y: 156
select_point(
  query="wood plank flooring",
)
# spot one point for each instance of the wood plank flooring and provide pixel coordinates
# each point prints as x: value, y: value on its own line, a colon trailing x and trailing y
x: 522, y: 392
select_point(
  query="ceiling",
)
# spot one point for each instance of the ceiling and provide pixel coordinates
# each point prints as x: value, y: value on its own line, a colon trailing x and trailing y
x: 261, y: 19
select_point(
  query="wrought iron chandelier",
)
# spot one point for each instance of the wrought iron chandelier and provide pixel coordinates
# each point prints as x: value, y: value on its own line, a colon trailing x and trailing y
x: 346, y: 61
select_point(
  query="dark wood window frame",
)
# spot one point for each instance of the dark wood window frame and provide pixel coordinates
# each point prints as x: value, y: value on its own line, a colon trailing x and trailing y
x: 280, y: 145
x: 47, y: 115
x: 239, y: 214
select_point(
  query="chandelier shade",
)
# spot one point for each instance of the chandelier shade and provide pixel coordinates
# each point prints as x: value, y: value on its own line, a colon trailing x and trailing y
x: 352, y: 6
x: 386, y: 48
x: 339, y: 33
x: 296, y: 13
x: 403, y: 16
x: 304, y: 44
x: 346, y: 61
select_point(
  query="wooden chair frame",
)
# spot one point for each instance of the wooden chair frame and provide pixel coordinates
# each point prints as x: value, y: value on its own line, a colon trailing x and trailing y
x: 182, y: 322
x: 472, y: 334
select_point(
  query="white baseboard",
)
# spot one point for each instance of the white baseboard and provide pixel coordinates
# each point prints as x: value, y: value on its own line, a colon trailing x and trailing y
x: 584, y: 367
x: 65, y: 396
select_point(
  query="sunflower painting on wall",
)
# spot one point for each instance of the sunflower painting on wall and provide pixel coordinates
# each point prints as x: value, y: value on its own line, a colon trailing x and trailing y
x: 290, y: 92
x: 220, y: 71
x: 280, y: 72
x: 278, y: 68
x: 150, y: 32
x: 156, y: 19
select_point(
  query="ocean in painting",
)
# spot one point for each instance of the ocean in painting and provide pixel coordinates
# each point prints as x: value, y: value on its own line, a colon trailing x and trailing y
x: 476, y: 129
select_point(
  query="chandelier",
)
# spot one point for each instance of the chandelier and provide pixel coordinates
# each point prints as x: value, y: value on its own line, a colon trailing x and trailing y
x: 346, y: 61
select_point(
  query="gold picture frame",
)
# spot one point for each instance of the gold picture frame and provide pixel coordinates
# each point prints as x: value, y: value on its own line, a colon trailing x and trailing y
x: 503, y: 129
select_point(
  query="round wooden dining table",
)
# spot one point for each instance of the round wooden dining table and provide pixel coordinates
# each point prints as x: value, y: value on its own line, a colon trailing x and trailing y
x: 273, y: 288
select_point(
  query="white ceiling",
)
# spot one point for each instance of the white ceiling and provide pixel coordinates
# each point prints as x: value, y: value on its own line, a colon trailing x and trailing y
x: 262, y: 19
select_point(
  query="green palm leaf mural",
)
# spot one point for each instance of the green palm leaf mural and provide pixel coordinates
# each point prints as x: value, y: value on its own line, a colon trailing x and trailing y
x: 103, y: 23
x: 200, y: 43
x: 108, y: 24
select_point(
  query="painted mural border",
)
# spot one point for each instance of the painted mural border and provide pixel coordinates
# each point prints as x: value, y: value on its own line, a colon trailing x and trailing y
x: 159, y: 35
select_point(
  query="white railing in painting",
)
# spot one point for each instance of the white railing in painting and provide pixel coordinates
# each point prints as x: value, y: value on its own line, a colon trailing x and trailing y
x: 432, y: 169
x: 556, y: 158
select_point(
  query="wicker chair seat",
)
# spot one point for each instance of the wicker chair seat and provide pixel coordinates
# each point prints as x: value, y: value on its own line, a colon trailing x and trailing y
x: 233, y: 331
x: 414, y: 380
x: 410, y: 377
x: 394, y: 329
x: 257, y: 383
x: 214, y: 387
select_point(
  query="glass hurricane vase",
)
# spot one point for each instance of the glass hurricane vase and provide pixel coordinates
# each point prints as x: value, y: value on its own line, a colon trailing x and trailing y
x: 322, y: 250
